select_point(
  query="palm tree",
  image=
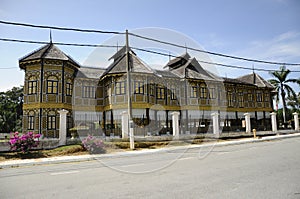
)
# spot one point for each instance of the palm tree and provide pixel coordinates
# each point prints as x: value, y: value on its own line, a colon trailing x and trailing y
x: 294, y: 102
x: 281, y: 86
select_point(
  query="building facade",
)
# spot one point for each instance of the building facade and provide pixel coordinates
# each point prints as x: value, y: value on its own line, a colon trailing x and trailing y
x: 96, y: 97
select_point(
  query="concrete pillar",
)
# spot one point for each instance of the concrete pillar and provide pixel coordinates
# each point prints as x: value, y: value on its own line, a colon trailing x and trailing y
x: 131, y: 135
x: 248, y: 122
x: 273, y: 121
x: 296, y: 119
x: 124, y: 118
x: 62, y: 127
x: 216, y: 124
x: 175, y: 124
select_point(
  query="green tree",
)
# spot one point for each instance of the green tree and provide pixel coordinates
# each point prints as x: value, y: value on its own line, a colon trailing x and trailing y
x: 11, y: 103
x: 281, y: 84
x: 294, y: 102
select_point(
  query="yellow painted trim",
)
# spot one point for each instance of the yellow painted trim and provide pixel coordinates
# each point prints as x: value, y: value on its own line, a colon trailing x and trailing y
x: 88, y: 108
x: 249, y: 109
x: 139, y: 106
x: 46, y: 105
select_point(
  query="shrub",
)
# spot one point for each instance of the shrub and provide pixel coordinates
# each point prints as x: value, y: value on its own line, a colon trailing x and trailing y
x: 23, y: 142
x: 93, y: 144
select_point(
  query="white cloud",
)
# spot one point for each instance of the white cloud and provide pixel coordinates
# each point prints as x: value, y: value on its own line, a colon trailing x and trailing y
x: 284, y: 47
x: 281, y: 48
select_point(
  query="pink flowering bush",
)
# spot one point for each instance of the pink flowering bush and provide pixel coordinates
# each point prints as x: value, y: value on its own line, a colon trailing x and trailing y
x: 23, y: 142
x: 93, y: 144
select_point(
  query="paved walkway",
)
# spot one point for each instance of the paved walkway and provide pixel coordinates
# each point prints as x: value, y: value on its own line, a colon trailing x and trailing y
x: 65, y: 159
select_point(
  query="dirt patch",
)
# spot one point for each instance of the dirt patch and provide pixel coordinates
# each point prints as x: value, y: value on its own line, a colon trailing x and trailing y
x: 78, y: 149
x: 60, y: 151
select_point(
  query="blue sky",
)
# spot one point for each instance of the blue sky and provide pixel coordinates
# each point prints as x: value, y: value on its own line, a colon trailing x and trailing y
x: 258, y: 29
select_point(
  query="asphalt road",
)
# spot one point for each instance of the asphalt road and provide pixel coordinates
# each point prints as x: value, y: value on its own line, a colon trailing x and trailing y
x: 255, y: 170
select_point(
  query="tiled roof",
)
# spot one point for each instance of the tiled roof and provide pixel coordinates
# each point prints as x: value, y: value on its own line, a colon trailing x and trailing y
x: 186, y: 67
x: 49, y: 51
x: 232, y: 80
x: 178, y: 60
x: 120, y: 53
x: 90, y: 72
x: 182, y: 67
x: 165, y: 73
x: 255, y: 79
x: 119, y: 64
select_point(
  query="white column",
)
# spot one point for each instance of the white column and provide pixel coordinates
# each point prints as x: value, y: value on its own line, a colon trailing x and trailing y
x: 124, y: 116
x: 296, y: 119
x: 131, y: 135
x: 175, y: 124
x: 216, y: 124
x: 62, y: 127
x: 248, y: 122
x: 273, y: 121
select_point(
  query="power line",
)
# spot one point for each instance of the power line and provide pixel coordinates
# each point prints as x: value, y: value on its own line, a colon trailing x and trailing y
x: 211, y: 63
x: 60, y: 28
x: 240, y: 67
x: 153, y: 52
x: 58, y: 43
x: 147, y: 38
x: 214, y: 53
x: 135, y: 48
x: 151, y: 39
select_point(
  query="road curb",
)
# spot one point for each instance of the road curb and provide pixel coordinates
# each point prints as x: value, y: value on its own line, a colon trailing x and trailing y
x: 82, y: 158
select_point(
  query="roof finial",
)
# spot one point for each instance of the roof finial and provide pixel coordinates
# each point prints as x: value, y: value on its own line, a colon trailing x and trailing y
x: 50, y: 37
x: 254, y: 76
x: 185, y: 48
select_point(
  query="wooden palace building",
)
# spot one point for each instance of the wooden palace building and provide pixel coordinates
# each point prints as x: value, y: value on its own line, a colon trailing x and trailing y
x: 96, y: 97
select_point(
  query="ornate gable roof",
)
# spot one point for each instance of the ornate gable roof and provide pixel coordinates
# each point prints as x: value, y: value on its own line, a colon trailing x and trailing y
x: 256, y: 80
x: 178, y: 61
x: 120, y: 53
x: 48, y: 51
x: 119, y: 64
x: 186, y: 67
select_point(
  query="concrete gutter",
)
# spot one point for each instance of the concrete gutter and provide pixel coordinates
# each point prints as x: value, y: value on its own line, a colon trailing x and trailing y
x: 81, y: 158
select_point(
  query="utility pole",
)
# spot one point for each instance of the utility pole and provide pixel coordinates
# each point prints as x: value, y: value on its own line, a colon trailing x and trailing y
x: 130, y: 126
